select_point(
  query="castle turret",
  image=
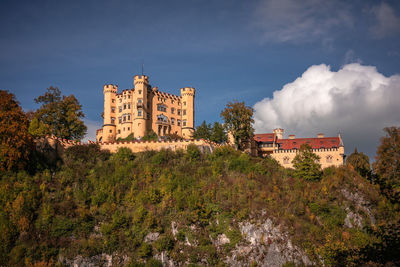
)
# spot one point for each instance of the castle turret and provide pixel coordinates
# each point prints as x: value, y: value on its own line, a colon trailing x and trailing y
x: 187, y: 95
x: 110, y: 92
x: 278, y: 133
x: 141, y: 84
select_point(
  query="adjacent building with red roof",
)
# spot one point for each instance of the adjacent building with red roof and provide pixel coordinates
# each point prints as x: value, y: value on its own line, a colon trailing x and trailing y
x: 329, y: 149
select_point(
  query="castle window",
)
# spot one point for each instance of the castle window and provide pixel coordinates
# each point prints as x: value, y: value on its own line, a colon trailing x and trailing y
x: 110, y: 131
x: 120, y: 109
x: 129, y: 96
x: 162, y: 118
x: 113, y: 101
x: 161, y: 108
x: 184, y: 103
x: 179, y: 112
x: 139, y: 100
x: 112, y: 120
x: 124, y: 106
x: 139, y: 113
x: 140, y: 92
x: 119, y: 131
x: 329, y: 159
x: 172, y: 121
x: 124, y: 117
x: 286, y: 160
x: 120, y: 119
x: 113, y: 110
x: 172, y: 101
x: 129, y: 128
x: 129, y: 117
x: 120, y: 100
x: 148, y: 105
x: 129, y: 106
x: 123, y: 129
x: 184, y: 122
x: 148, y: 116
x: 172, y: 110
x: 179, y: 122
x: 184, y: 112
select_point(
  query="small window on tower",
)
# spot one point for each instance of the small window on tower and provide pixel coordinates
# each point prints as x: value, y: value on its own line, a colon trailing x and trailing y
x: 139, y: 113
x: 120, y: 119
x: 120, y: 109
x: 173, y: 110
x: 113, y: 110
x: 179, y: 122
x: 179, y: 112
x: 113, y: 100
x: 140, y: 92
x: 112, y: 120
x: 119, y: 131
x: 129, y: 128
x: 124, y: 106
x: 184, y: 112
x: 172, y: 121
x: 129, y: 106
x: 184, y: 122
x: 129, y: 117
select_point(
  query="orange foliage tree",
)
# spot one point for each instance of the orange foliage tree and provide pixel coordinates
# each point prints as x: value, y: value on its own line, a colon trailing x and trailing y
x: 15, y: 141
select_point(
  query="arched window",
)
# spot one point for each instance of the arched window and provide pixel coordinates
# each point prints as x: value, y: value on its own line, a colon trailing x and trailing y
x: 329, y: 159
x: 286, y: 160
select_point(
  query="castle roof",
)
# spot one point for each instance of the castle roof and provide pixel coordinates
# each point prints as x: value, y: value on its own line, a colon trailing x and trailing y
x: 265, y: 138
x: 314, y: 142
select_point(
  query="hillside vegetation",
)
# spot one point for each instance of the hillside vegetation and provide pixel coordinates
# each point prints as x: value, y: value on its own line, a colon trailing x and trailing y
x: 95, y: 202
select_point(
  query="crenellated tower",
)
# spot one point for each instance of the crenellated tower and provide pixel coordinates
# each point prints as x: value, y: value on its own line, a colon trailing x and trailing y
x: 140, y: 94
x: 110, y: 92
x: 188, y: 94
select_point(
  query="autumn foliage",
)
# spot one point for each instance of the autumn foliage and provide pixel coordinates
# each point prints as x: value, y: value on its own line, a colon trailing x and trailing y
x: 15, y: 142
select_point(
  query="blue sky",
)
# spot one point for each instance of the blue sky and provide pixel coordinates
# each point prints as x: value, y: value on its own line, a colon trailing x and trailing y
x: 227, y: 50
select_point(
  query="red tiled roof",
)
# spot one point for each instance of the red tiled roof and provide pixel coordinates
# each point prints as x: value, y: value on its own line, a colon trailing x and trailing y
x: 268, y: 137
x: 325, y: 142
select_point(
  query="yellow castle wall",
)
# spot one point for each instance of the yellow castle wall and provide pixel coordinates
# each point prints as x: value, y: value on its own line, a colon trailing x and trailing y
x: 335, y: 153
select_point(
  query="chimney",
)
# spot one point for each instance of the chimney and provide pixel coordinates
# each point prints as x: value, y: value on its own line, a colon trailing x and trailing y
x: 292, y: 136
x: 320, y: 135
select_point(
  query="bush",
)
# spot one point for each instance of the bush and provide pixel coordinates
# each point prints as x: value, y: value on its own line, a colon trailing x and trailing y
x: 193, y: 152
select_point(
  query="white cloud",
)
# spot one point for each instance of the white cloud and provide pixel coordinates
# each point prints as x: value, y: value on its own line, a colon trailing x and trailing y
x: 300, y: 21
x: 388, y: 23
x: 92, y: 126
x: 356, y: 101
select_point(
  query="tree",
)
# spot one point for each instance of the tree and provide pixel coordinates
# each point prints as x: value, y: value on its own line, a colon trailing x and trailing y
x: 16, y: 143
x: 238, y: 122
x: 218, y: 134
x: 387, y: 163
x: 306, y: 164
x: 360, y: 163
x: 60, y: 116
x: 203, y: 131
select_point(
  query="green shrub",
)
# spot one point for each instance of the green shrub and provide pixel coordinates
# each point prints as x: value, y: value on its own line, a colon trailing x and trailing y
x: 145, y: 250
x: 193, y: 152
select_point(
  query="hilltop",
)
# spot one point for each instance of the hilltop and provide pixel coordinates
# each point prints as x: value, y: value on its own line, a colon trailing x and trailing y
x: 188, y: 208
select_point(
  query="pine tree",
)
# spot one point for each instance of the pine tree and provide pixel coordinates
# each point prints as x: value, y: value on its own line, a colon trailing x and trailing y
x: 306, y: 164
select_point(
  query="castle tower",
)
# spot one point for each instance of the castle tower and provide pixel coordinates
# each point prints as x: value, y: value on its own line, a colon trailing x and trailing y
x: 187, y: 95
x: 141, y: 84
x: 110, y: 92
x: 279, y: 133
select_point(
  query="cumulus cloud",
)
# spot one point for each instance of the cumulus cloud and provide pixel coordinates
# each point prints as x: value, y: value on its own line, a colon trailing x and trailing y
x: 356, y: 101
x: 300, y: 21
x: 388, y: 23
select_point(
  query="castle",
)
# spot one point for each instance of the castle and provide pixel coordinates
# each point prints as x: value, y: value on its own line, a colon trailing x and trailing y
x: 329, y: 149
x: 142, y: 109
